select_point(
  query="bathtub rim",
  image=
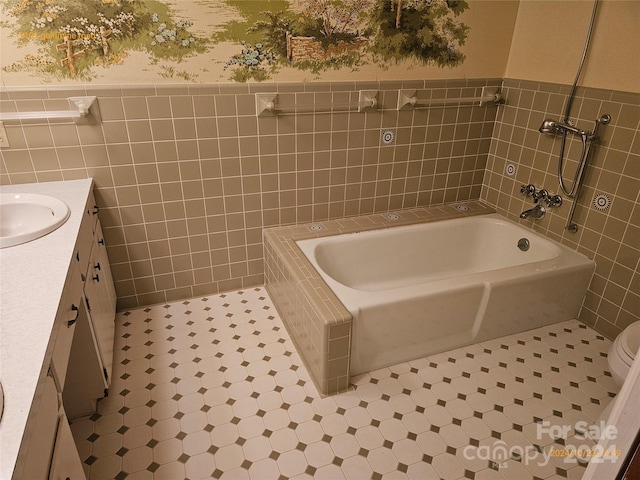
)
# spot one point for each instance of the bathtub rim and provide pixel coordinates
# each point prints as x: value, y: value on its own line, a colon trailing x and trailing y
x: 564, y: 257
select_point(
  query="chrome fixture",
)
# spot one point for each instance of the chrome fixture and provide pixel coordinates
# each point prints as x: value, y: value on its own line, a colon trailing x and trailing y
x: 588, y: 139
x: 409, y: 99
x: 536, y: 212
x: 553, y: 200
x: 269, y: 104
x: 553, y: 127
x: 542, y: 194
x: 528, y: 190
x: 524, y: 244
x: 563, y: 127
x: 566, y: 126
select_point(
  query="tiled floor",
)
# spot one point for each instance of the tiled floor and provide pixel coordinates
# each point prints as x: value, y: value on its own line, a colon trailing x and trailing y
x: 213, y: 388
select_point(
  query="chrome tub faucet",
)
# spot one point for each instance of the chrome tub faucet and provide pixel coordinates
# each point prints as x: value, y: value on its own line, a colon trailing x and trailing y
x: 536, y: 212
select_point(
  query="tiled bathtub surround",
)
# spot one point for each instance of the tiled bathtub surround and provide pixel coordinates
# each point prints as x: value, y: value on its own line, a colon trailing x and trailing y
x: 611, y: 237
x: 319, y: 324
x: 187, y: 176
x: 212, y: 388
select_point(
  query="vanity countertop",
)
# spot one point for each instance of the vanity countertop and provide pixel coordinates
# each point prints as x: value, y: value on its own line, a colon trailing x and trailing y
x: 32, y: 278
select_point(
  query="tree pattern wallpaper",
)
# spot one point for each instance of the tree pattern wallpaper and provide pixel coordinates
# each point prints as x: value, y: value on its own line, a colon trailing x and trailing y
x: 203, y: 41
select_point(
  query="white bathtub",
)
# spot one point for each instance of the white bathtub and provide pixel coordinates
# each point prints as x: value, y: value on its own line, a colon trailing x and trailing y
x: 422, y: 289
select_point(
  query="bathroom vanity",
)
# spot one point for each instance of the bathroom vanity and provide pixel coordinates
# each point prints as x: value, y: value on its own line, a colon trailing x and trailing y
x: 57, y: 314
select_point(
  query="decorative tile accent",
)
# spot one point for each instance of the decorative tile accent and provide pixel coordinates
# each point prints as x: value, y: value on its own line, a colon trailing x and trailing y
x: 226, y: 395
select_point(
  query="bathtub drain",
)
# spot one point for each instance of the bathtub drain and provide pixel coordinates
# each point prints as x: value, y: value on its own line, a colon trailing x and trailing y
x: 524, y: 244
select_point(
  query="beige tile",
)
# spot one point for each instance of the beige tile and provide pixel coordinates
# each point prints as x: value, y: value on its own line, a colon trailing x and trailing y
x: 131, y: 215
x: 38, y: 136
x: 162, y: 130
x: 123, y: 175
x: 146, y: 173
x: 150, y: 193
x: 181, y: 262
x: 169, y: 172
x: 229, y: 147
x: 64, y: 135
x: 128, y: 195
x: 135, y: 108
x: 159, y: 107
x: 171, y: 191
x: 204, y: 106
x: 190, y: 170
x: 70, y: 157
x: 232, y: 186
x: 225, y: 105
x: 206, y: 128
x: 181, y: 106
x: 153, y: 213
x: 119, y: 154
x: 43, y: 159
x: 19, y: 161
x: 111, y: 108
x: 185, y: 128
x: 54, y: 176
x: 139, y: 130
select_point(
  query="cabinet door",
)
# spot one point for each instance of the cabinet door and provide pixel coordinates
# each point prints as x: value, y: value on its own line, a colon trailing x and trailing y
x: 85, y: 375
x: 66, y: 318
x: 65, y: 464
x: 42, y: 441
x: 106, y: 278
x: 98, y: 290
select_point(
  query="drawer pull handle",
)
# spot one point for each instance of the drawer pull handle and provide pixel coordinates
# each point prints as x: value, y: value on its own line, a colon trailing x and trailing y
x: 101, y: 241
x: 73, y: 309
x: 96, y: 278
x: 96, y: 209
x: 97, y: 266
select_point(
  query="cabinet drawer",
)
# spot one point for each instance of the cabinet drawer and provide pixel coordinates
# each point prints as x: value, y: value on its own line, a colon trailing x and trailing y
x: 66, y: 318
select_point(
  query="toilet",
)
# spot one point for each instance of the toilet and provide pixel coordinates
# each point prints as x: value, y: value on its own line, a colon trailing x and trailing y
x: 623, y: 351
x: 620, y: 357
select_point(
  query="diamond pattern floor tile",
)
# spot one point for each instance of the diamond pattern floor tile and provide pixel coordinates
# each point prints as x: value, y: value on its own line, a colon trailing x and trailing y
x: 213, y: 388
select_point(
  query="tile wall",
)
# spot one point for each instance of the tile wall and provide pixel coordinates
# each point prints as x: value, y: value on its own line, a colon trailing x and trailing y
x: 611, y: 236
x: 188, y: 176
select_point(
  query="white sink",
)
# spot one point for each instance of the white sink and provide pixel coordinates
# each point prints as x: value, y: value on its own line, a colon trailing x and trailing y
x: 27, y: 216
